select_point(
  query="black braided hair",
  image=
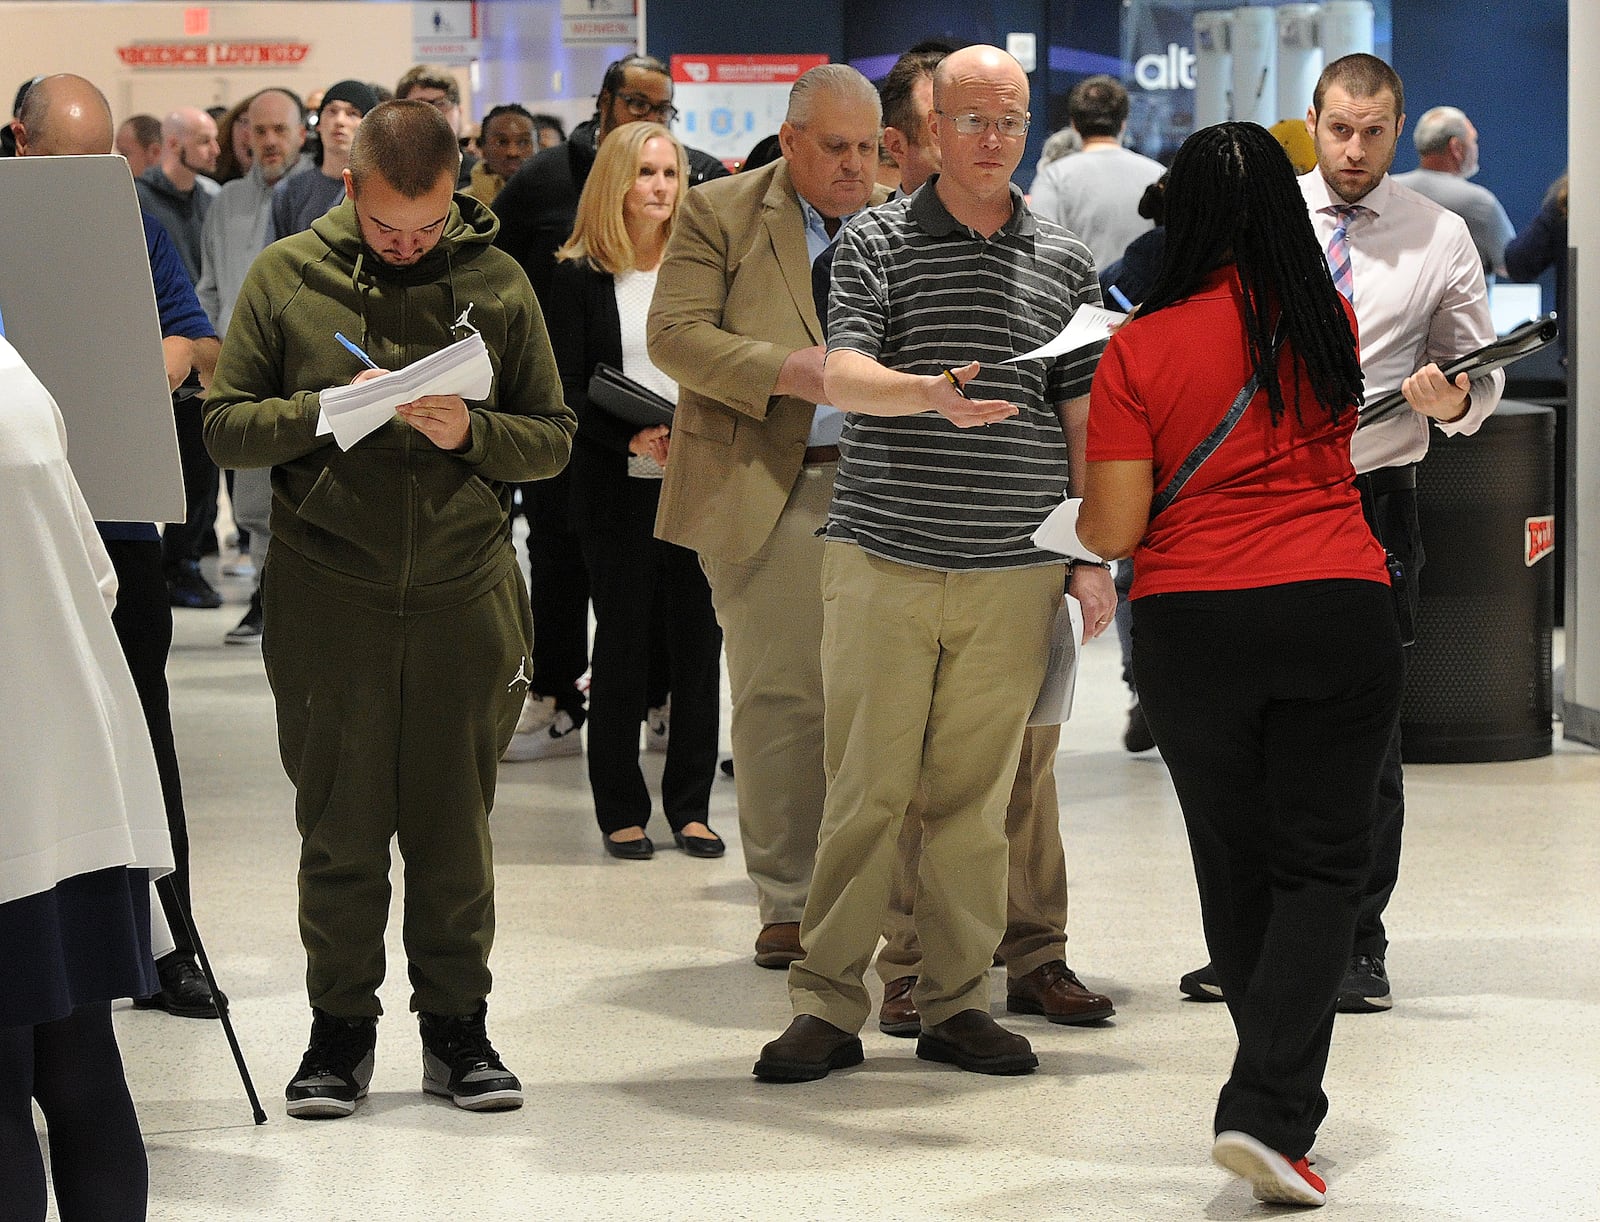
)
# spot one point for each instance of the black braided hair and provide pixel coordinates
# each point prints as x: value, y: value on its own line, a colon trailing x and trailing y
x: 1232, y: 198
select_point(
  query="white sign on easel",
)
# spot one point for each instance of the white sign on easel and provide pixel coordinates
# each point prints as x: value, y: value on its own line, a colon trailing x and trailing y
x: 79, y: 305
x: 726, y: 103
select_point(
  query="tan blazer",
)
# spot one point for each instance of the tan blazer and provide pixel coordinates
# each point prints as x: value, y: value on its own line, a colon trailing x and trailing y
x: 732, y: 301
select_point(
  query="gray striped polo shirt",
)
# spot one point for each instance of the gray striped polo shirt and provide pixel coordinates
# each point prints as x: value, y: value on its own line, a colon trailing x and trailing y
x: 919, y: 292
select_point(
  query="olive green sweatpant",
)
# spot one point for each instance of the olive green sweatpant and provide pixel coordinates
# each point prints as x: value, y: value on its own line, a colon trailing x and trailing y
x: 391, y: 727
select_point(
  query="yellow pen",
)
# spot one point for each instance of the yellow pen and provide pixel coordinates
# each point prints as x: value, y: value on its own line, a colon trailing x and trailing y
x: 950, y: 376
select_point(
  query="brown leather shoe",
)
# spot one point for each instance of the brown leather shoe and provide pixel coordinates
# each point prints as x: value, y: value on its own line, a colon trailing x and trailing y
x: 778, y: 945
x: 809, y: 1049
x: 974, y: 1041
x: 898, y: 1014
x: 1053, y: 990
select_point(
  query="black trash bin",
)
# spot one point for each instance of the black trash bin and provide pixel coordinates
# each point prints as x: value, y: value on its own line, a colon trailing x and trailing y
x: 1478, y: 681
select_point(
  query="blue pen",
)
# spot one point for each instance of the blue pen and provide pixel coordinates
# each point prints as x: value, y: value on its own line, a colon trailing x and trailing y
x: 1122, y: 299
x: 356, y: 352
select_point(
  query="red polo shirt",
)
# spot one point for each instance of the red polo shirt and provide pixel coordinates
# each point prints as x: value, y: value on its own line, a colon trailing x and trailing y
x: 1275, y: 503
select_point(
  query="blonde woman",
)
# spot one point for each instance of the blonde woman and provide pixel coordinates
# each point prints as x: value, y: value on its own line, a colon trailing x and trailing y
x: 604, y: 279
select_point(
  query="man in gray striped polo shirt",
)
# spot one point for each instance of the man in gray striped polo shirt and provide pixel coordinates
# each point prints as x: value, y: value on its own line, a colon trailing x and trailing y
x: 937, y: 606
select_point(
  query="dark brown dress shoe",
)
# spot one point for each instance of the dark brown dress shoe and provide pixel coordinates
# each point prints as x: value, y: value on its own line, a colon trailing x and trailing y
x: 778, y: 945
x: 1053, y: 990
x: 898, y: 1014
x: 974, y: 1041
x: 808, y: 1050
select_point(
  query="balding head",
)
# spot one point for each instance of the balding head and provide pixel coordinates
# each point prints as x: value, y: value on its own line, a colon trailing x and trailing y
x: 979, y: 67
x: 188, y: 145
x: 63, y: 115
x: 980, y: 100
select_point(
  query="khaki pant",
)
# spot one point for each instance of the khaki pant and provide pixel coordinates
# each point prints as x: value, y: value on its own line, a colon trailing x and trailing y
x: 1036, y: 883
x: 929, y: 678
x: 770, y: 609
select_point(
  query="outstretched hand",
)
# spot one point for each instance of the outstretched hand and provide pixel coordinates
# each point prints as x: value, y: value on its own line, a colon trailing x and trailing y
x: 950, y: 401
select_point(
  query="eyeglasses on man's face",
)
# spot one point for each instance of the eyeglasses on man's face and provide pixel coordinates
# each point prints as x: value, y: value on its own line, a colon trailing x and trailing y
x: 641, y: 107
x: 1010, y: 126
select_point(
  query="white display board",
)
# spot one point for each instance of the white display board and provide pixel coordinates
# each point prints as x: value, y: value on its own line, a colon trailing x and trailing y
x: 79, y: 305
x: 726, y: 103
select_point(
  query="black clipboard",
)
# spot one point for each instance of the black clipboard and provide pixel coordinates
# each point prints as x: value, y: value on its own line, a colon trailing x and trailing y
x: 1514, y: 346
x: 613, y: 391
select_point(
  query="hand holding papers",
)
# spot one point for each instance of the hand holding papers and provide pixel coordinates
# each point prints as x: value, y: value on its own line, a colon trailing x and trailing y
x: 351, y: 412
x: 1088, y: 325
x: 1059, y: 532
x: 1054, y: 702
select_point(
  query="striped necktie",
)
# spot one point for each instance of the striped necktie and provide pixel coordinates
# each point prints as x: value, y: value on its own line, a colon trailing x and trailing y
x: 1339, y: 250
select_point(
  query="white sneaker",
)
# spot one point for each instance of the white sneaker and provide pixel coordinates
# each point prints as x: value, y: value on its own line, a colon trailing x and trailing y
x: 657, y: 727
x: 1272, y: 1176
x: 558, y: 736
x: 239, y: 566
x: 537, y: 713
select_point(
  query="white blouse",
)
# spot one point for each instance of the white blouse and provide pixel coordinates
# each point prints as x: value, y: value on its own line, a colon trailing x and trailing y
x: 634, y: 290
x: 77, y: 773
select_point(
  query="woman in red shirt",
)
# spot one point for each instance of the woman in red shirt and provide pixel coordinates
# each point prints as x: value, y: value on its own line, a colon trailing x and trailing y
x: 1266, y: 652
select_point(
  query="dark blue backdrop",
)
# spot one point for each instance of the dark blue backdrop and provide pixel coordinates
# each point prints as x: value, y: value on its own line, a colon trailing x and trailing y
x: 1505, y: 64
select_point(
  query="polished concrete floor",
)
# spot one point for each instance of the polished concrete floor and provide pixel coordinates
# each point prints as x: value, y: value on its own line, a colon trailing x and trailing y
x: 626, y: 999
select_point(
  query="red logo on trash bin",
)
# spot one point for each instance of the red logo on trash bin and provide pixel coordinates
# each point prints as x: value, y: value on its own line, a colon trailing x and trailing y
x: 1539, y: 534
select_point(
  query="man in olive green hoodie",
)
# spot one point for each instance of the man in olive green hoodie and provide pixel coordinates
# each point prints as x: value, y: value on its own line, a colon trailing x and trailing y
x: 397, y: 631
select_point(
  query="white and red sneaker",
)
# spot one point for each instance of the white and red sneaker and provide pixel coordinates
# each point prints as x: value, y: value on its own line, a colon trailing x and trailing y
x: 1272, y: 1176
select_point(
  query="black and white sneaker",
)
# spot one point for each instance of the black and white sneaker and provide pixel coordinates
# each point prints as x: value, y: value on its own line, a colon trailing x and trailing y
x: 459, y: 1063
x: 1365, y: 989
x: 337, y: 1068
x: 1201, y: 984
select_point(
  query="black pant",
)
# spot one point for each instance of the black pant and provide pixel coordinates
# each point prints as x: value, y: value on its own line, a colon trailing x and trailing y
x: 143, y: 620
x: 558, y: 592
x: 1392, y: 514
x: 1272, y: 709
x: 644, y: 588
x: 181, y: 541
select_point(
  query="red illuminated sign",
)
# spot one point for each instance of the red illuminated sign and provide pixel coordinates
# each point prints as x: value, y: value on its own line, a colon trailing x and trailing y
x: 240, y: 54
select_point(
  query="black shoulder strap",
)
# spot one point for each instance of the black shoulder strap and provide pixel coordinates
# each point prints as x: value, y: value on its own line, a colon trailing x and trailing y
x: 1215, y: 438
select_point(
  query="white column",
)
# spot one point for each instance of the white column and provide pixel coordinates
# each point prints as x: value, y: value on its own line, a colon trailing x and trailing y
x: 1255, y: 62
x: 1581, y: 694
x: 1346, y: 28
x: 1299, y: 58
x: 1213, y: 68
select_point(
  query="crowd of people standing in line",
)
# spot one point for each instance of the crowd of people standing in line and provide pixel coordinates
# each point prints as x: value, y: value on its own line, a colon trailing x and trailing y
x: 818, y: 334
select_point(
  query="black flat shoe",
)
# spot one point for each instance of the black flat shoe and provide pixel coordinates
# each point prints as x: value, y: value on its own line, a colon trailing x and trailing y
x: 700, y: 846
x: 630, y: 850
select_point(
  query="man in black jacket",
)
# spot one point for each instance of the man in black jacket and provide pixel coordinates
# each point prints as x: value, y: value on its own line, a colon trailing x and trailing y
x: 536, y: 212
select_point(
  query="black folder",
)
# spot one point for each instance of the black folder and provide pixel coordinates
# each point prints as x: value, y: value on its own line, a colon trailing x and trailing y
x: 613, y: 391
x: 1524, y: 341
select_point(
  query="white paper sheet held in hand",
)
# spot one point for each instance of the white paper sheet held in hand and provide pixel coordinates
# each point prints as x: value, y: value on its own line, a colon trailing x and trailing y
x: 1054, y: 703
x: 351, y: 412
x: 1059, y: 532
x: 1088, y: 325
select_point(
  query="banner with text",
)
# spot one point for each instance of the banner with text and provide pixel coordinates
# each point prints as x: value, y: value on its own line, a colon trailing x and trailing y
x: 727, y: 103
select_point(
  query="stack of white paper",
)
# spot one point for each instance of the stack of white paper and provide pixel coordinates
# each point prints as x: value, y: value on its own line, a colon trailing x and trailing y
x: 351, y: 412
x: 1059, y: 532
x: 1088, y: 325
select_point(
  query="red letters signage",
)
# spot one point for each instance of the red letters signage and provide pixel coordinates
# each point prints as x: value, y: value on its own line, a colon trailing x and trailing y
x: 1539, y: 538
x: 239, y: 54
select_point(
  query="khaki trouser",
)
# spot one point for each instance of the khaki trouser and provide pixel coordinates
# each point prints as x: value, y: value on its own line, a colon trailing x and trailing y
x: 929, y: 678
x: 770, y: 609
x: 391, y: 728
x: 1036, y: 882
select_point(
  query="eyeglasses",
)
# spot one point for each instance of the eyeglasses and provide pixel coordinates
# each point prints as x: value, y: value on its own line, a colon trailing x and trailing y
x: 641, y: 107
x: 443, y: 102
x: 1010, y: 126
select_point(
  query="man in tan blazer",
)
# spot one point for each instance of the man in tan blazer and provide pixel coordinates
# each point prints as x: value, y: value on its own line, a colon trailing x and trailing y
x: 753, y: 457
